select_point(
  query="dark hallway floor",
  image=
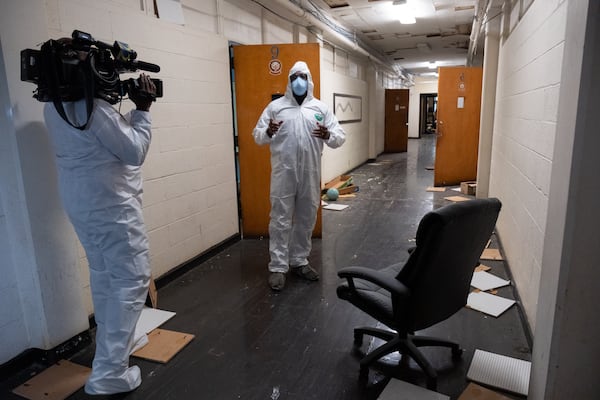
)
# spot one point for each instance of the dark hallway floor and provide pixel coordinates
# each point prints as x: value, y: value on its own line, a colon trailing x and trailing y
x: 252, y: 343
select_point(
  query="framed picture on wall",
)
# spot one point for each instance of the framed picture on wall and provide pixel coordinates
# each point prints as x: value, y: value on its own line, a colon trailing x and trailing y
x: 347, y: 108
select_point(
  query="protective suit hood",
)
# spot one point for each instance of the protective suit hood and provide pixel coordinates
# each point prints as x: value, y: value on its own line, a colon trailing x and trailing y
x: 300, y: 66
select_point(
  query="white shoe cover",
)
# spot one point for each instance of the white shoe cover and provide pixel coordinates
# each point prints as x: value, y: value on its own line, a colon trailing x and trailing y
x: 126, y: 382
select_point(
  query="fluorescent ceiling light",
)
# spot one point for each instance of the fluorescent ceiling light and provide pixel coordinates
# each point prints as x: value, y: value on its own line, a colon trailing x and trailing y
x: 432, y: 65
x: 405, y: 14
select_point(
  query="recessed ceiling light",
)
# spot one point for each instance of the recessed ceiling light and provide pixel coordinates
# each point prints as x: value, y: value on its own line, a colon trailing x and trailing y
x: 405, y: 14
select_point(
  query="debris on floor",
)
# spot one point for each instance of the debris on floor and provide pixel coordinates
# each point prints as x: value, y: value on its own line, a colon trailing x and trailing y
x: 57, y: 382
x: 468, y: 187
x: 507, y: 373
x: 456, y: 199
x: 476, y: 392
x: 436, y: 189
x: 342, y: 184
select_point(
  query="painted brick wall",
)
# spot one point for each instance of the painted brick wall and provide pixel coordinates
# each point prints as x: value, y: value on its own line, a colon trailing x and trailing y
x: 10, y: 317
x: 190, y: 200
x: 524, y: 131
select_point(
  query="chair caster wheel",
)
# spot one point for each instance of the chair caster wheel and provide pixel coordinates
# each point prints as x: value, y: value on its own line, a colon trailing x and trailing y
x: 432, y: 384
x: 363, y: 376
x: 358, y: 339
x: 457, y: 353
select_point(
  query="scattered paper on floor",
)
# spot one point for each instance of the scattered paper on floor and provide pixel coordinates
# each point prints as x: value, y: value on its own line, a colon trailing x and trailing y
x: 335, y: 207
x: 488, y: 303
x: 508, y: 373
x: 400, y: 390
x: 150, y: 319
x: 485, y: 281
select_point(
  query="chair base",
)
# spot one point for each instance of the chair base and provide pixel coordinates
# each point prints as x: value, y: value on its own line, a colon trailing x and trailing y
x: 406, y: 344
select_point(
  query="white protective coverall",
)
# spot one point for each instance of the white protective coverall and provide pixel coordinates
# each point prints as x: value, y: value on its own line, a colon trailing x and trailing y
x: 101, y: 185
x: 295, y: 170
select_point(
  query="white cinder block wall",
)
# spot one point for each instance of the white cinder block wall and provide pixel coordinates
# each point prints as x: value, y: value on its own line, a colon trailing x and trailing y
x: 190, y: 200
x: 524, y: 130
x: 340, y: 74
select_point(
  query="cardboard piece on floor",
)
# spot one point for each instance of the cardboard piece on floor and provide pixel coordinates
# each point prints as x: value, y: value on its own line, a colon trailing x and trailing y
x: 338, y: 182
x: 476, y: 392
x: 55, y: 383
x: 491, y: 254
x: 435, y: 189
x: 487, y: 291
x: 456, y: 198
x: 469, y: 187
x: 500, y: 371
x: 400, y: 390
x: 351, y: 188
x: 150, y: 319
x: 485, y: 281
x: 163, y: 345
x: 488, y: 303
x: 335, y: 207
x: 482, y: 267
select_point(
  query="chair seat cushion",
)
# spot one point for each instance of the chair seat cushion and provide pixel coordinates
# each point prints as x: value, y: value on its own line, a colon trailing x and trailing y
x: 370, y: 297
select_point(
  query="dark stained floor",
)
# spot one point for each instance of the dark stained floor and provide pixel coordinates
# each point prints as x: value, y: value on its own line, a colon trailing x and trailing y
x: 252, y: 343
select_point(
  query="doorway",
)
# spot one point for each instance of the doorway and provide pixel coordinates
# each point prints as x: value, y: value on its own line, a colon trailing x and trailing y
x: 428, y: 113
x: 457, y: 139
x: 396, y: 121
x: 260, y: 75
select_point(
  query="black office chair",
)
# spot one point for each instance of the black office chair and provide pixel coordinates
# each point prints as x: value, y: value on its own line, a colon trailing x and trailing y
x: 430, y: 287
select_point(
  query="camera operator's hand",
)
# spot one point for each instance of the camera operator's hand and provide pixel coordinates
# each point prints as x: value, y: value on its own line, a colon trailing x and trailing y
x: 146, y: 94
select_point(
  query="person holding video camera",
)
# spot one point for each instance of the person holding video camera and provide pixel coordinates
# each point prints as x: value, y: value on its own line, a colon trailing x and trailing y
x: 100, y: 182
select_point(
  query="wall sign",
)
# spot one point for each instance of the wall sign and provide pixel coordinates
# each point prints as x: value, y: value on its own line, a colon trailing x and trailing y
x: 347, y: 108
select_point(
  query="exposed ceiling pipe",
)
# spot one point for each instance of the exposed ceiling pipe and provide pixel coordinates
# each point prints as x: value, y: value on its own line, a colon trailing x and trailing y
x: 332, y: 35
x: 476, y: 29
x: 486, y: 10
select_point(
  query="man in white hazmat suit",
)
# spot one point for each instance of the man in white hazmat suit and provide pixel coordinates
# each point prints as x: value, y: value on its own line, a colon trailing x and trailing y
x: 296, y: 126
x: 101, y: 185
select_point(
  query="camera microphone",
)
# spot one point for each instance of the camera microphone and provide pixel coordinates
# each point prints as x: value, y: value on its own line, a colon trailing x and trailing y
x: 145, y: 66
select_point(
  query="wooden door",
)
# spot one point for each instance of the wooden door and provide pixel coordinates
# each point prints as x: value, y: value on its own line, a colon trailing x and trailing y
x: 261, y: 74
x: 396, y: 121
x: 459, y: 105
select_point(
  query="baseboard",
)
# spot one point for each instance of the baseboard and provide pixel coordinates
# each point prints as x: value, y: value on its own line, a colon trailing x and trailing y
x: 181, y: 269
x: 47, y: 357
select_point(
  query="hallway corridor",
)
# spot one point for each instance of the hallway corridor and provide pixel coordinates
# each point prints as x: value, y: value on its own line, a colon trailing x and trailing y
x: 252, y: 343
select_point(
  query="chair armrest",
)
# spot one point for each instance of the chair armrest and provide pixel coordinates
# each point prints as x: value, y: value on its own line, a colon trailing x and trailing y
x: 382, y: 280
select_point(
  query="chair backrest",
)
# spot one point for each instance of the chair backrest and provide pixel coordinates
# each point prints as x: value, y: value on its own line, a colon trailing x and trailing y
x: 449, y: 243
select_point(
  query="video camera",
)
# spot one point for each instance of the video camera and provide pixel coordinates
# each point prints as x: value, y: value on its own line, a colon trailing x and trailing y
x: 84, y: 68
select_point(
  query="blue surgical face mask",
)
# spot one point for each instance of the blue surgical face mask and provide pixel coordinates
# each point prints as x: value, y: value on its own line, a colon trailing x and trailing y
x: 299, y: 86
